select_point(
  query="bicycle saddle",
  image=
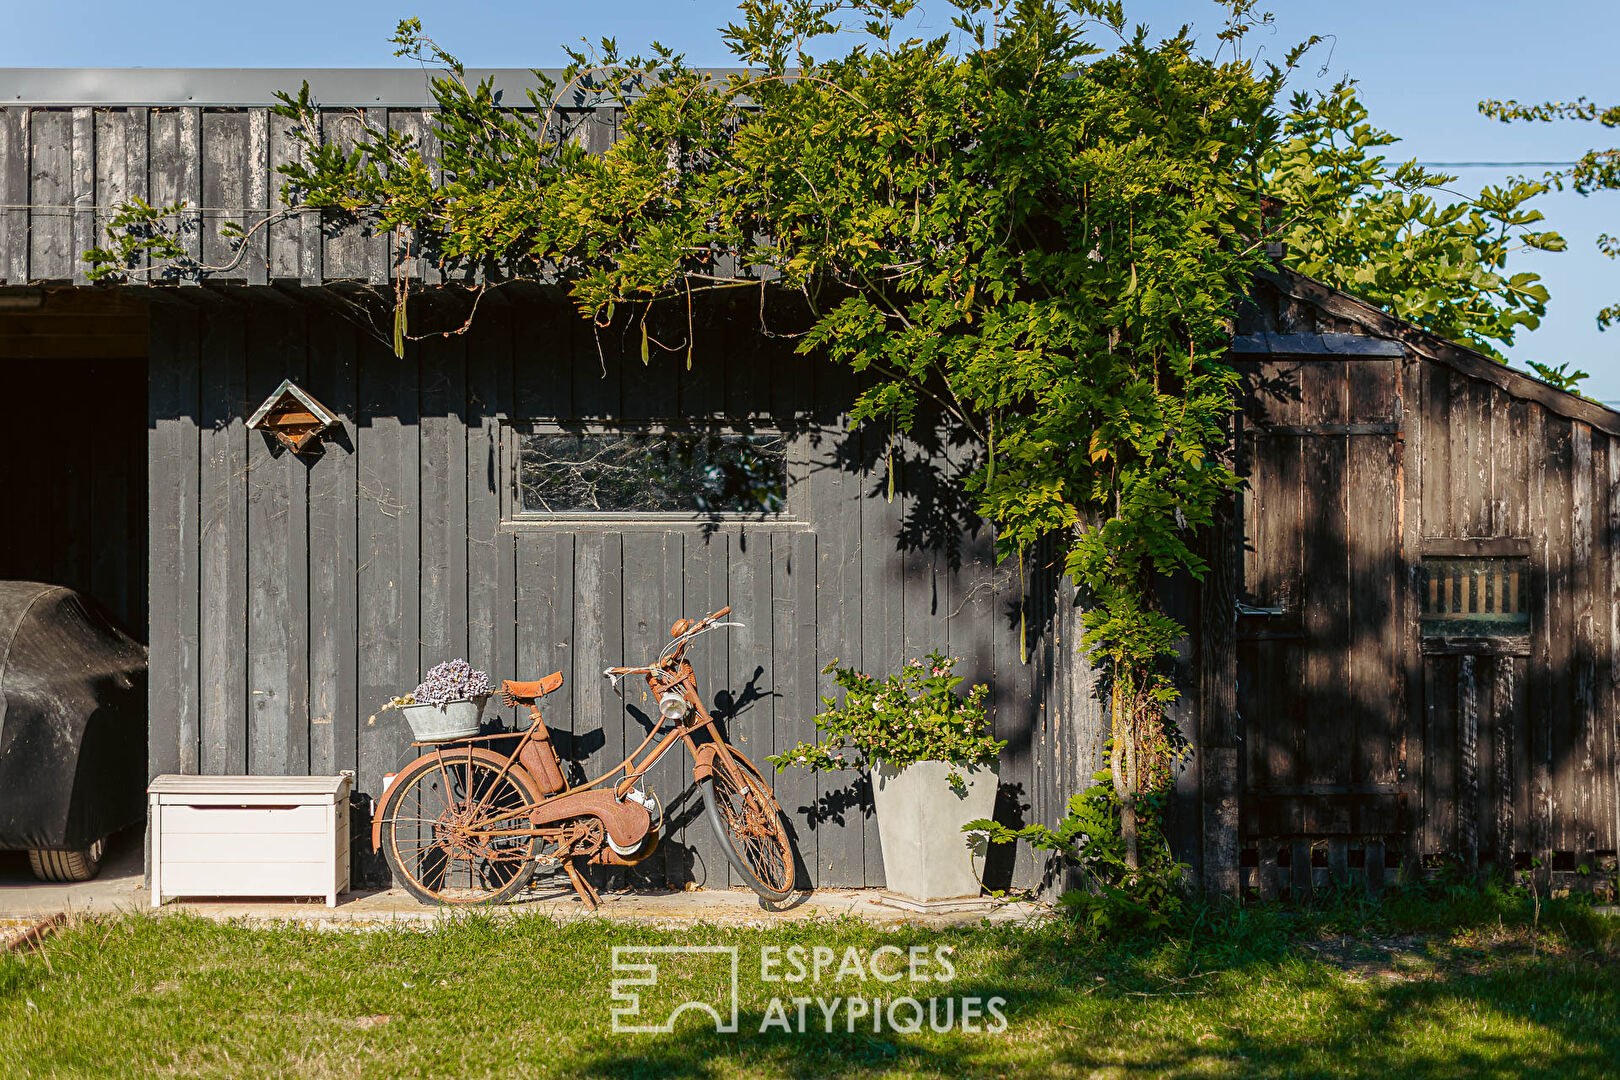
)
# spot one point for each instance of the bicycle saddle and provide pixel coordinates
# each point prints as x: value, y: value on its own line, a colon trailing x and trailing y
x: 526, y: 693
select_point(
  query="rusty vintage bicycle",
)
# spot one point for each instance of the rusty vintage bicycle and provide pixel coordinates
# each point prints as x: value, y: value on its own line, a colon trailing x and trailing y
x: 465, y: 823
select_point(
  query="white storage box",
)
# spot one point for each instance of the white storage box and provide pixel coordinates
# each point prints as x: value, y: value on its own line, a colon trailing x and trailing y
x: 249, y: 836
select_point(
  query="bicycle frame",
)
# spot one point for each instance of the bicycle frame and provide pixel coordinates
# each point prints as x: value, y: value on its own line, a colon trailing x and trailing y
x: 671, y: 678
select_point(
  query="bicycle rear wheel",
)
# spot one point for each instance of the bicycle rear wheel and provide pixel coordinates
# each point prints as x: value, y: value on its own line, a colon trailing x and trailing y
x: 748, y: 821
x: 436, y: 810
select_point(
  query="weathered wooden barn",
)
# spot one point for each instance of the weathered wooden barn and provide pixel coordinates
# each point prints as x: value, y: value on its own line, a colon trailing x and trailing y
x: 1407, y: 651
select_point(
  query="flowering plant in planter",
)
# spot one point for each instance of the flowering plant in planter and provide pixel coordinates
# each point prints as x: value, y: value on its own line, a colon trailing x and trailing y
x: 911, y: 716
x: 453, y: 680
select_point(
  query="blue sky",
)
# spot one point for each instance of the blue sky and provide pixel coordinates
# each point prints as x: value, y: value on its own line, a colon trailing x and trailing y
x: 1422, y: 65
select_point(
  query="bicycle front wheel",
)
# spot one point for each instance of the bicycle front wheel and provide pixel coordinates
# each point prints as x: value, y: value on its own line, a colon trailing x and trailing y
x: 748, y: 821
x: 438, y: 823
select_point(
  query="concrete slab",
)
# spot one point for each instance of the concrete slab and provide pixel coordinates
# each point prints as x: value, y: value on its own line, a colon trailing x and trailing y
x: 119, y: 888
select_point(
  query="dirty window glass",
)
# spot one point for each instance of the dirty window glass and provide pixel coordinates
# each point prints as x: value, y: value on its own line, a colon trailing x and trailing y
x: 652, y: 472
x: 1475, y: 597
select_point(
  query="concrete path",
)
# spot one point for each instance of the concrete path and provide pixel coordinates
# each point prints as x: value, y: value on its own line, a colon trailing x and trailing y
x: 119, y: 888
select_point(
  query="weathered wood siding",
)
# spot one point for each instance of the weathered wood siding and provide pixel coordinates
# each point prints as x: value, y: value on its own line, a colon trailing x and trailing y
x: 292, y: 596
x: 65, y: 171
x: 1369, y: 745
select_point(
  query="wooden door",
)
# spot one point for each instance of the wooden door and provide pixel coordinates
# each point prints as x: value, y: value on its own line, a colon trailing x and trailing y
x: 1320, y: 686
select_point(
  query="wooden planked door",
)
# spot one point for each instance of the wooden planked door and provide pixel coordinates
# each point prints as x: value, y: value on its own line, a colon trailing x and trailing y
x: 1320, y: 684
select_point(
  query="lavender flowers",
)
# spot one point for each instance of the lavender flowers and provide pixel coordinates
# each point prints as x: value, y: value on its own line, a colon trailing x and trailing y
x: 453, y: 680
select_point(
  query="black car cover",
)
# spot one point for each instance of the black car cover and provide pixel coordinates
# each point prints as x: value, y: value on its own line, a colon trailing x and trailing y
x: 72, y: 720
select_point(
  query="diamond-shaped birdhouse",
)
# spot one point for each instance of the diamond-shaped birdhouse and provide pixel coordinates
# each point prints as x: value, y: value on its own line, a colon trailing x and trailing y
x: 292, y: 416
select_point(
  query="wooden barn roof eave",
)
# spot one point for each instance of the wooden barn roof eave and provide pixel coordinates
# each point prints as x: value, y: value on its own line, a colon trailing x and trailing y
x: 1430, y: 346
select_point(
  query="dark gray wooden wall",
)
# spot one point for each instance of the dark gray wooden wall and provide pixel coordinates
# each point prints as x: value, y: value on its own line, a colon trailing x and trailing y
x: 65, y: 170
x: 292, y: 597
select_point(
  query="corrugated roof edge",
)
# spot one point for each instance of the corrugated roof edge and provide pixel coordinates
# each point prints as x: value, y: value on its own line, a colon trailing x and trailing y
x: 405, y: 87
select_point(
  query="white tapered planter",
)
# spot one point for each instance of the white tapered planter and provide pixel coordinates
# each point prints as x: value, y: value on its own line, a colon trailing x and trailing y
x: 926, y: 855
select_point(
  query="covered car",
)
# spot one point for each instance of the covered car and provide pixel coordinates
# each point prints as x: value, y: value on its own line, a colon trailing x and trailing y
x: 72, y: 728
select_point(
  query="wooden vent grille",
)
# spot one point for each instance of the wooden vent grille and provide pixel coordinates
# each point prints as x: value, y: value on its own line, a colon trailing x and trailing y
x: 1475, y: 596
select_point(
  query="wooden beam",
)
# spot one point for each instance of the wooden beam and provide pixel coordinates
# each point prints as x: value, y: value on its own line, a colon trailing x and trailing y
x: 1500, y: 547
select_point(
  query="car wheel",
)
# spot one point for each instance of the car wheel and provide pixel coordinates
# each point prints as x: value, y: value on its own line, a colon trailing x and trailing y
x: 78, y: 865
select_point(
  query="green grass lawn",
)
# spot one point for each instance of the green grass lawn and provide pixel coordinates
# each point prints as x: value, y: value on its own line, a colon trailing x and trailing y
x: 1452, y: 985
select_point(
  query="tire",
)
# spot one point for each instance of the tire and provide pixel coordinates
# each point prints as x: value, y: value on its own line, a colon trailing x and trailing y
x: 749, y: 825
x: 81, y: 865
x: 429, y: 854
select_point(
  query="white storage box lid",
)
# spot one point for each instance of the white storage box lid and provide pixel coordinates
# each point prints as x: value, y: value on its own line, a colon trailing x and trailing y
x: 174, y: 787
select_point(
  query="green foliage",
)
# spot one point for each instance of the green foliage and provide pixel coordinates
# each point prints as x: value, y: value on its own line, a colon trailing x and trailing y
x: 911, y: 716
x: 1596, y: 170
x: 1117, y: 897
x: 1392, y: 233
x: 1562, y: 375
x: 139, y: 234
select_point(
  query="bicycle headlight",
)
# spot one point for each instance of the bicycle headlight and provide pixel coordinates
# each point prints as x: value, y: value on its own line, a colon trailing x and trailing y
x: 673, y: 706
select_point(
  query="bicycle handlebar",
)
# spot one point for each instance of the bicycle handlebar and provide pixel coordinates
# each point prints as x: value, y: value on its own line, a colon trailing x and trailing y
x: 702, y: 626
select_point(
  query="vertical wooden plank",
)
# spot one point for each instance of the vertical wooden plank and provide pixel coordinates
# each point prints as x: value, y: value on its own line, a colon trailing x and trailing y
x: 444, y: 581
x: 750, y: 723
x: 293, y: 238
x: 388, y: 454
x: 793, y: 606
x: 256, y: 198
x: 708, y: 560
x: 653, y: 564
x: 115, y: 167
x: 602, y: 746
x: 834, y: 512
x: 50, y: 235
x: 1327, y: 748
x: 491, y: 550
x: 225, y: 168
x: 1220, y: 727
x: 1412, y: 485
x: 1467, y: 764
x: 16, y: 156
x: 882, y: 585
x: 82, y: 184
x: 1266, y: 870
x: 1338, y: 862
x: 1476, y: 429
x: 597, y: 370
x: 592, y: 649
x: 545, y: 612
x: 1608, y: 506
x: 352, y: 251
x: 1585, y: 749
x: 1438, y: 819
x: 176, y: 173
x: 173, y: 468
x: 1543, y: 684
x: 121, y: 163
x: 277, y: 555
x: 1563, y: 745
x: 1503, y: 771
x: 1299, y: 871
x: 1374, y: 596
x: 1436, y: 446
x: 223, y: 539
x: 1375, y: 868
x: 1464, y: 482
x: 333, y: 555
